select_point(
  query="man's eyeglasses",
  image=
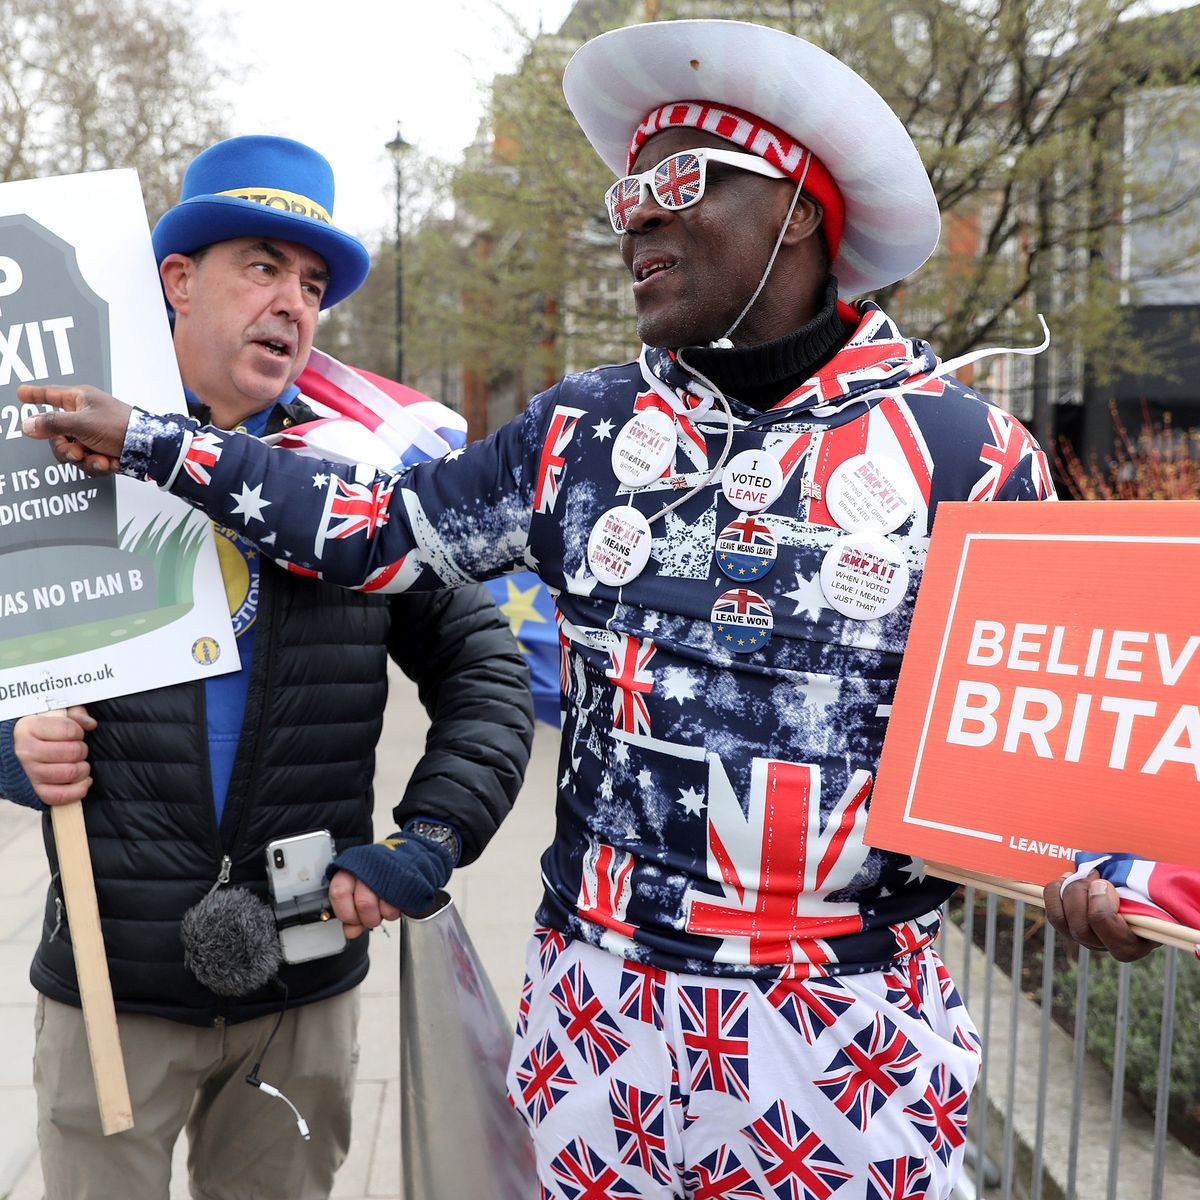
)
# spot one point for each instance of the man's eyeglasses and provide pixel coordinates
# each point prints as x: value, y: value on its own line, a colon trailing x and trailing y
x: 677, y: 182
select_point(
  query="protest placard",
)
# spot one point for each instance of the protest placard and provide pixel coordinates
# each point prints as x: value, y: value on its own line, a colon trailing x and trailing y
x: 106, y: 586
x: 1049, y: 700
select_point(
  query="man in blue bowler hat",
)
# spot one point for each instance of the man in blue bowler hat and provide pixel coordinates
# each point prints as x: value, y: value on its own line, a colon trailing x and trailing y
x: 184, y: 787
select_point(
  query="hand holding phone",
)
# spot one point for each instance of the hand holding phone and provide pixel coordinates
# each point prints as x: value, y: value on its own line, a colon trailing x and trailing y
x: 296, y: 871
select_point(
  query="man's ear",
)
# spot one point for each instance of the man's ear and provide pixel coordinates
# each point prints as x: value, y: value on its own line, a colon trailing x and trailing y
x: 177, y: 272
x: 805, y: 221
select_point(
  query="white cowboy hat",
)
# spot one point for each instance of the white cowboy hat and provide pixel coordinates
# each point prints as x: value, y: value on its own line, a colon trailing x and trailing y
x: 892, y: 218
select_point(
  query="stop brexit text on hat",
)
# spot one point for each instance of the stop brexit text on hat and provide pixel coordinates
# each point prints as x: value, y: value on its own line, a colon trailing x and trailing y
x: 1049, y: 700
x: 106, y: 586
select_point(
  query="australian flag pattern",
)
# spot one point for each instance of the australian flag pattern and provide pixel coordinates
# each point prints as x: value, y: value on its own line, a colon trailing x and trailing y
x: 710, y: 803
x: 870, y: 1102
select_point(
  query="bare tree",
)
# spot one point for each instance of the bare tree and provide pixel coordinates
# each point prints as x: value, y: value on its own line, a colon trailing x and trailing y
x: 93, y: 84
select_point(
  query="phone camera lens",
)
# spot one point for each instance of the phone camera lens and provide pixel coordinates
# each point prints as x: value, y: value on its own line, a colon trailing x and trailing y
x: 279, y: 859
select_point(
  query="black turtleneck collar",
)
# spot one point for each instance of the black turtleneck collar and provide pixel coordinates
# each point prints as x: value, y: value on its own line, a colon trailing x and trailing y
x: 761, y: 376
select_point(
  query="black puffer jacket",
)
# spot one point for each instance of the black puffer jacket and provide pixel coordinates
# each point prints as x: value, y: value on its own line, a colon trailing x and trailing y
x: 306, y: 759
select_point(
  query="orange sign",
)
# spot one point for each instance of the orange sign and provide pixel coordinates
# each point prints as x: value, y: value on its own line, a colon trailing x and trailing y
x: 1049, y: 699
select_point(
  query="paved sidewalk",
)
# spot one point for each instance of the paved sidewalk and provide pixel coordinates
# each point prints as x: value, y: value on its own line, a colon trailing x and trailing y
x: 496, y: 897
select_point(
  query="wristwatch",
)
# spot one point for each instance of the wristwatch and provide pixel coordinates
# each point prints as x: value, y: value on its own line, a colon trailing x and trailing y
x: 437, y: 831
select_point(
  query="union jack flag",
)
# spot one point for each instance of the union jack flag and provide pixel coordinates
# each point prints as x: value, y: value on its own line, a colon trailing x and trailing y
x: 678, y: 180
x: 1010, y: 443
x: 551, y: 944
x: 904, y: 1178
x: 797, y: 1163
x: 631, y: 682
x: 809, y: 1006
x: 638, y: 1117
x: 746, y: 547
x: 552, y: 464
x: 591, y: 1029
x: 605, y: 887
x: 941, y: 1114
x: 721, y: 1176
x: 202, y: 455
x: 905, y: 985
x: 777, y: 863
x: 868, y: 1069
x: 643, y: 993
x: 543, y: 1078
x: 689, y: 440
x: 623, y: 197
x: 523, y: 1006
x: 352, y: 508
x: 715, y: 1024
x: 584, y: 1175
x: 965, y: 1037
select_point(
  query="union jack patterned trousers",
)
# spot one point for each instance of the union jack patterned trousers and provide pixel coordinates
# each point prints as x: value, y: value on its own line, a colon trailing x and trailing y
x: 640, y: 1082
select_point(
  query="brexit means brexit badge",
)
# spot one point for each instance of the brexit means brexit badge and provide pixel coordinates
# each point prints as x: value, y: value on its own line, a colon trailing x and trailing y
x: 746, y: 547
x: 742, y: 621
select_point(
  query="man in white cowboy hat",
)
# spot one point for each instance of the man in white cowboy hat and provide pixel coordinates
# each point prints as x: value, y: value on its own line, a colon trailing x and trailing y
x: 729, y: 993
x: 184, y: 787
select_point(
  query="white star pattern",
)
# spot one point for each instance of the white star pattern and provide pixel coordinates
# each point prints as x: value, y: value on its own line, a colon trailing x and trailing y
x: 603, y: 430
x: 249, y: 504
x: 809, y: 597
x: 692, y: 801
x: 269, y: 540
x: 606, y: 787
x: 678, y: 685
x: 621, y: 752
x: 644, y: 780
x: 319, y: 481
x: 685, y: 550
x: 651, y: 623
x: 564, y: 781
x: 453, y: 455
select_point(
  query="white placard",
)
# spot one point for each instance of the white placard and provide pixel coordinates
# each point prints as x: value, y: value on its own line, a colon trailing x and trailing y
x: 107, y: 586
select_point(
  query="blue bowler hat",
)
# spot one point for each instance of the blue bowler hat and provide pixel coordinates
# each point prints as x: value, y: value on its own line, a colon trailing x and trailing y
x: 268, y: 187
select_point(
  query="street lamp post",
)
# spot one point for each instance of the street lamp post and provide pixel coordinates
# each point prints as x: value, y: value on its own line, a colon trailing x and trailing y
x: 396, y: 148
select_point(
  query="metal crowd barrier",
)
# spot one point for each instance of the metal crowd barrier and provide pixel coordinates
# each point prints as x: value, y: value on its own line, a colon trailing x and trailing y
x: 1052, y: 1123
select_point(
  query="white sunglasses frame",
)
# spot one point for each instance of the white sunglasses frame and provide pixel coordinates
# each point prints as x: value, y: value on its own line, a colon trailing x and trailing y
x: 734, y: 158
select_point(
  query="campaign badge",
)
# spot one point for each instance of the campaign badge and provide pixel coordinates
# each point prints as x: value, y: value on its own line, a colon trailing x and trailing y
x: 870, y: 493
x: 746, y: 548
x: 644, y: 448
x: 742, y: 621
x: 619, y: 546
x: 752, y: 480
x: 864, y: 576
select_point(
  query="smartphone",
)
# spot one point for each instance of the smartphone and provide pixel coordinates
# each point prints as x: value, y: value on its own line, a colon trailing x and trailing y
x: 296, y: 871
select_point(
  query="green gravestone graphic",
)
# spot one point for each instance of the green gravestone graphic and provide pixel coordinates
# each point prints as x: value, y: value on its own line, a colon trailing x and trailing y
x: 70, y: 579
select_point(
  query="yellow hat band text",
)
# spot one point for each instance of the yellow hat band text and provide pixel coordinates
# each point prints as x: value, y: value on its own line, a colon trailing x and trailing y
x: 284, y: 201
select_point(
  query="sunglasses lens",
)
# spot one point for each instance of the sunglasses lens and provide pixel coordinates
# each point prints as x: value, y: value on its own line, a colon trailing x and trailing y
x: 679, y: 181
x: 622, y: 198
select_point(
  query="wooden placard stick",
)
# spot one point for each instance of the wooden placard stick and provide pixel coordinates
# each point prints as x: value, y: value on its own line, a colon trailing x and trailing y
x: 1182, y: 937
x: 91, y: 967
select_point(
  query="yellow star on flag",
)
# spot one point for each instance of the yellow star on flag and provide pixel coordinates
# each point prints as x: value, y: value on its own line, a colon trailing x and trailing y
x: 519, y: 609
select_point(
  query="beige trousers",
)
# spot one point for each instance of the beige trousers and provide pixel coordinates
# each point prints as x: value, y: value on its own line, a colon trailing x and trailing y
x: 243, y: 1144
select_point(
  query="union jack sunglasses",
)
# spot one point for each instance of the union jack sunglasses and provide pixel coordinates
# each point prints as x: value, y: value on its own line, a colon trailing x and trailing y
x: 677, y: 182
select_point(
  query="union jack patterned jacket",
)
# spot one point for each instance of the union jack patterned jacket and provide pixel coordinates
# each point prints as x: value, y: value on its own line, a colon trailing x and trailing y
x: 710, y: 804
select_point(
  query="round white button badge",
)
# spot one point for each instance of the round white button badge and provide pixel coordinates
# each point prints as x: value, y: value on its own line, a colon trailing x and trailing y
x: 619, y: 546
x: 741, y: 621
x: 870, y: 493
x: 644, y: 448
x: 864, y: 576
x: 752, y: 480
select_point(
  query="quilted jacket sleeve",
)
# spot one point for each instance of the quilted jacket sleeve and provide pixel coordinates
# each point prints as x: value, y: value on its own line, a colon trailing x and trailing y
x: 458, y: 649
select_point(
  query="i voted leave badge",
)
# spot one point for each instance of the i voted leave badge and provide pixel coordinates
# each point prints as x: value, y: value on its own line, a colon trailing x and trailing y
x: 864, y: 576
x: 644, y: 448
x: 619, y: 546
x: 752, y: 480
x: 741, y: 621
x: 870, y: 493
x: 746, y: 548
